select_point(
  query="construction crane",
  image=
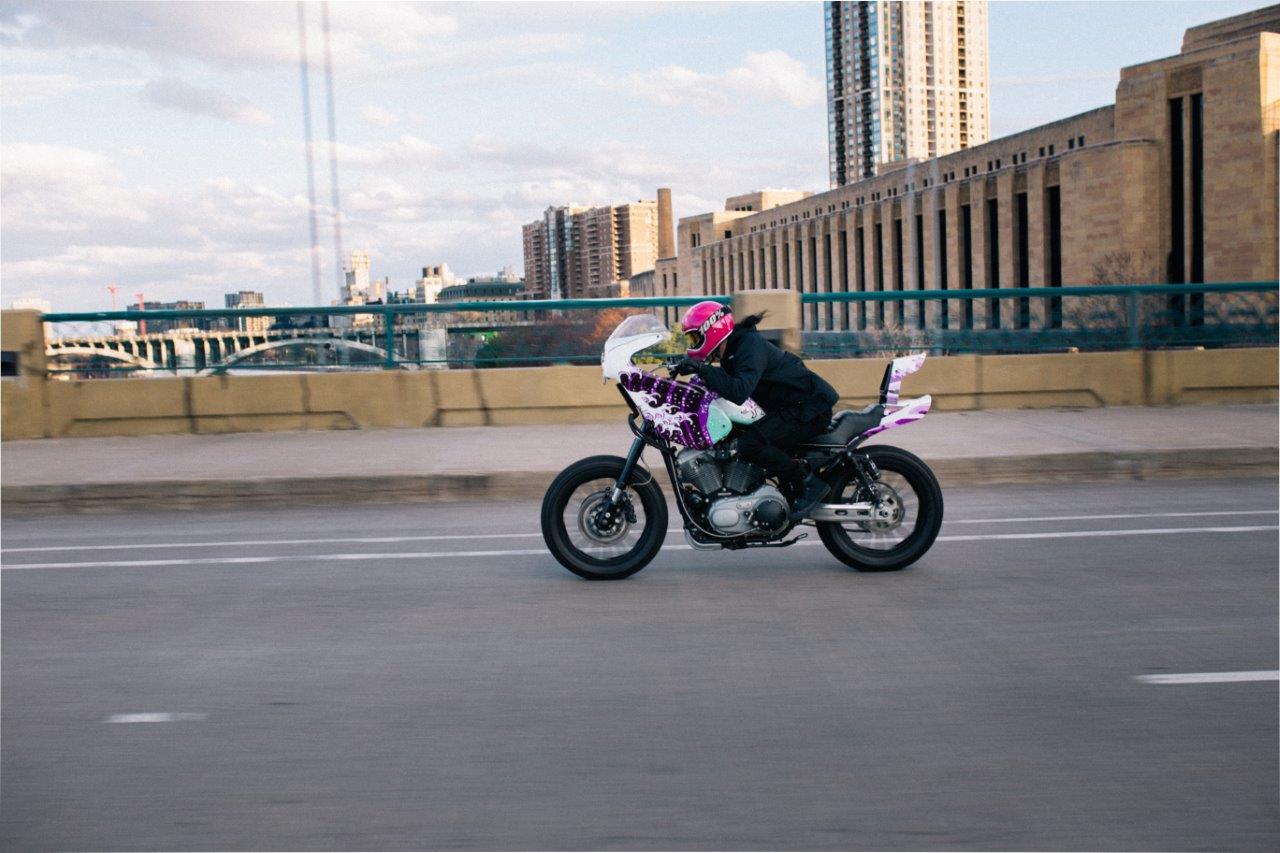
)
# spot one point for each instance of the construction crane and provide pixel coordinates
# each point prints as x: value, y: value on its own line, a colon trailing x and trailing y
x: 113, y: 290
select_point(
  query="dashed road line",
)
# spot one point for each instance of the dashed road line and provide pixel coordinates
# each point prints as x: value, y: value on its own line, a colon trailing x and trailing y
x: 156, y: 717
x: 360, y: 540
x: 1125, y: 515
x: 1090, y: 534
x: 1210, y: 677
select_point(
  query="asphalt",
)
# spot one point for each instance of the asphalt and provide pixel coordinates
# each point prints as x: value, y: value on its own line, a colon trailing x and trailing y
x: 348, y: 678
x: 505, y: 463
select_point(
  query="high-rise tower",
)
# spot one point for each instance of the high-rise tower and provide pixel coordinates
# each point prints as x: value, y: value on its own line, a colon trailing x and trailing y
x: 904, y: 80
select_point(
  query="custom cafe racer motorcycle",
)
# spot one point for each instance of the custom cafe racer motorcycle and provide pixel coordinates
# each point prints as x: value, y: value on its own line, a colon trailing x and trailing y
x: 605, y: 517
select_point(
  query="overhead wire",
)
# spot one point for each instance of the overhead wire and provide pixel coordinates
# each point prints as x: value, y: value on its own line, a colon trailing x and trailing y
x: 311, y: 166
x: 333, y: 145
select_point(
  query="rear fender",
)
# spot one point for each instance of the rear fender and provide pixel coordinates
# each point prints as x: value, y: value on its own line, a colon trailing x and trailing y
x: 898, y: 414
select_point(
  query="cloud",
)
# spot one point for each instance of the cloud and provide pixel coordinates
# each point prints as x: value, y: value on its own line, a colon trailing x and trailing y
x: 476, y: 52
x: 772, y: 76
x: 76, y: 218
x: 224, y: 35
x: 537, y: 74
x: 59, y: 188
x: 17, y: 90
x: 380, y: 116
x: 408, y: 153
x: 776, y: 76
x: 606, y: 171
x: 174, y: 94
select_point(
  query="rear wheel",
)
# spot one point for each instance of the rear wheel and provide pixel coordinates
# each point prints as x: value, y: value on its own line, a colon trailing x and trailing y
x: 593, y: 538
x: 909, y: 491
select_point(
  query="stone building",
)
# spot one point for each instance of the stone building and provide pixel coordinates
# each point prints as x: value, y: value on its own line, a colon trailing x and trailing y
x: 1176, y: 182
x: 435, y: 278
x: 248, y: 299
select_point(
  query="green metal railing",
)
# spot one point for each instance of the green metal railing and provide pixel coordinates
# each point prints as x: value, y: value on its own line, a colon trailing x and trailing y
x: 570, y: 331
x: 1040, y: 319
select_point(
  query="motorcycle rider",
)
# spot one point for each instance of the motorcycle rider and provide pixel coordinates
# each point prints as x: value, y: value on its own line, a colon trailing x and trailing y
x: 797, y: 402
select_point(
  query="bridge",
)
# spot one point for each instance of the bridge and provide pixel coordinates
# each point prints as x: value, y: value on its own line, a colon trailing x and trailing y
x: 323, y: 340
x: 214, y: 351
x: 491, y: 333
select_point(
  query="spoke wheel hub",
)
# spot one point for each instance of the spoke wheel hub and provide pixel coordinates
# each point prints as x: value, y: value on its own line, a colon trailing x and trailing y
x: 600, y: 521
x: 888, y: 513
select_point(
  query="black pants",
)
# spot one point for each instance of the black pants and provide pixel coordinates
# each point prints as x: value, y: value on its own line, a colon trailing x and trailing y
x: 766, y: 442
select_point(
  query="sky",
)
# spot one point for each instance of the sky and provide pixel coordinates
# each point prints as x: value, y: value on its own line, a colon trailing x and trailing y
x: 159, y: 146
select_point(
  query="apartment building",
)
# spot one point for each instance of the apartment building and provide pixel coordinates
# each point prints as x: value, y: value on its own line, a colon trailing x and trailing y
x: 905, y: 81
x: 579, y: 252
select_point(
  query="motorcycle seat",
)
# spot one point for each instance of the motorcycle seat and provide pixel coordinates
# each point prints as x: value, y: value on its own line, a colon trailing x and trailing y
x: 848, y: 425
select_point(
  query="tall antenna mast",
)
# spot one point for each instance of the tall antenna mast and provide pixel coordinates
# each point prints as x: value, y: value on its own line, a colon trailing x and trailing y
x: 333, y: 145
x: 311, y: 166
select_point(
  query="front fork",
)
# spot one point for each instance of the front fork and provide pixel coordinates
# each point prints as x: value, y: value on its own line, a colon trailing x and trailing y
x: 618, y: 500
x: 633, y: 457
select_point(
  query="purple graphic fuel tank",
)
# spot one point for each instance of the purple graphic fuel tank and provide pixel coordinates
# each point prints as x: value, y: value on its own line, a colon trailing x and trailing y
x: 680, y: 412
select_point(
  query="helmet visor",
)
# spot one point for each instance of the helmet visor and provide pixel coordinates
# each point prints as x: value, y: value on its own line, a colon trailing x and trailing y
x: 696, y: 338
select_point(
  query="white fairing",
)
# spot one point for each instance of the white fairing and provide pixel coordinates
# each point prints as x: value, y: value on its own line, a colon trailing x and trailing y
x: 641, y: 331
x: 636, y: 333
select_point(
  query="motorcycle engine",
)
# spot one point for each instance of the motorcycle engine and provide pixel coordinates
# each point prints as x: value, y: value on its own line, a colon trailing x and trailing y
x: 733, y: 492
x: 764, y: 510
x: 699, y: 469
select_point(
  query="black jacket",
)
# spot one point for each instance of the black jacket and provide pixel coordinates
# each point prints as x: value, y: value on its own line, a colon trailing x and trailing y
x: 777, y: 380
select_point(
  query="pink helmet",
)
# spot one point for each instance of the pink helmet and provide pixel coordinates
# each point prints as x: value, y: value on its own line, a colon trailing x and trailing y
x: 707, y: 324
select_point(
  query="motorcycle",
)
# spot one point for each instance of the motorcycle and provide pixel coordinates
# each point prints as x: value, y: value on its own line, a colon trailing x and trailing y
x: 605, y: 517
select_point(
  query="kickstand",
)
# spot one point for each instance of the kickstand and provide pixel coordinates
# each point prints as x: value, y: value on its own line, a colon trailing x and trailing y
x: 793, y: 541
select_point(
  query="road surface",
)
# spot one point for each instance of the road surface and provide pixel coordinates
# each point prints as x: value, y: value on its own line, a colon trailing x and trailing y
x: 361, y: 679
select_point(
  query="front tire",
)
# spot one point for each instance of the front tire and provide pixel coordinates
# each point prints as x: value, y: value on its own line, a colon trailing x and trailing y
x: 580, y: 543
x: 911, y: 489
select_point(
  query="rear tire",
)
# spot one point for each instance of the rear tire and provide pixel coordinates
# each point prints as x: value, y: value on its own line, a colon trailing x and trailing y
x: 927, y: 514
x: 587, y: 474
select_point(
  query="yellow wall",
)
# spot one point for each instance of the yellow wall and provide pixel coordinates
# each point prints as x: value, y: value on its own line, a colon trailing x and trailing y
x: 35, y: 408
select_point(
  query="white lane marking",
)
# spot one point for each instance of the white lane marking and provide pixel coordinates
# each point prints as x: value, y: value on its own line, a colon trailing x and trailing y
x: 1120, y: 515
x: 382, y: 540
x: 1210, y: 677
x: 285, y: 558
x: 156, y: 717
x: 130, y: 546
x: 1090, y: 534
x: 432, y: 555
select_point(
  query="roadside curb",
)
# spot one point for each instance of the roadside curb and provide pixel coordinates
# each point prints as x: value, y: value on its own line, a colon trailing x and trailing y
x: 527, y: 485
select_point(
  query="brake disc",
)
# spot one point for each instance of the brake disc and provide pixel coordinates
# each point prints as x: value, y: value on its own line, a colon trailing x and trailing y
x: 600, y: 522
x: 888, y: 513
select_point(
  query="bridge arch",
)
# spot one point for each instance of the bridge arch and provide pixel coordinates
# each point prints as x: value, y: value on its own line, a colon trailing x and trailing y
x: 327, y: 352
x: 54, y: 353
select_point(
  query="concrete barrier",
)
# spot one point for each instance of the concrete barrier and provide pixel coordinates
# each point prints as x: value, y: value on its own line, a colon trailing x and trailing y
x: 36, y: 407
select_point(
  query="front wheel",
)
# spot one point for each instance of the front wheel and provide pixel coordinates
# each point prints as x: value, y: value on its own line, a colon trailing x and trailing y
x: 909, y: 490
x: 594, y: 539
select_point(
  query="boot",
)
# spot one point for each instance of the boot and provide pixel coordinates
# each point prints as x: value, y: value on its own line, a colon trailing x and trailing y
x: 814, y: 490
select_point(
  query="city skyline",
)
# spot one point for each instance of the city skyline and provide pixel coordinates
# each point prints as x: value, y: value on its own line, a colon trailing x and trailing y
x: 168, y: 157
